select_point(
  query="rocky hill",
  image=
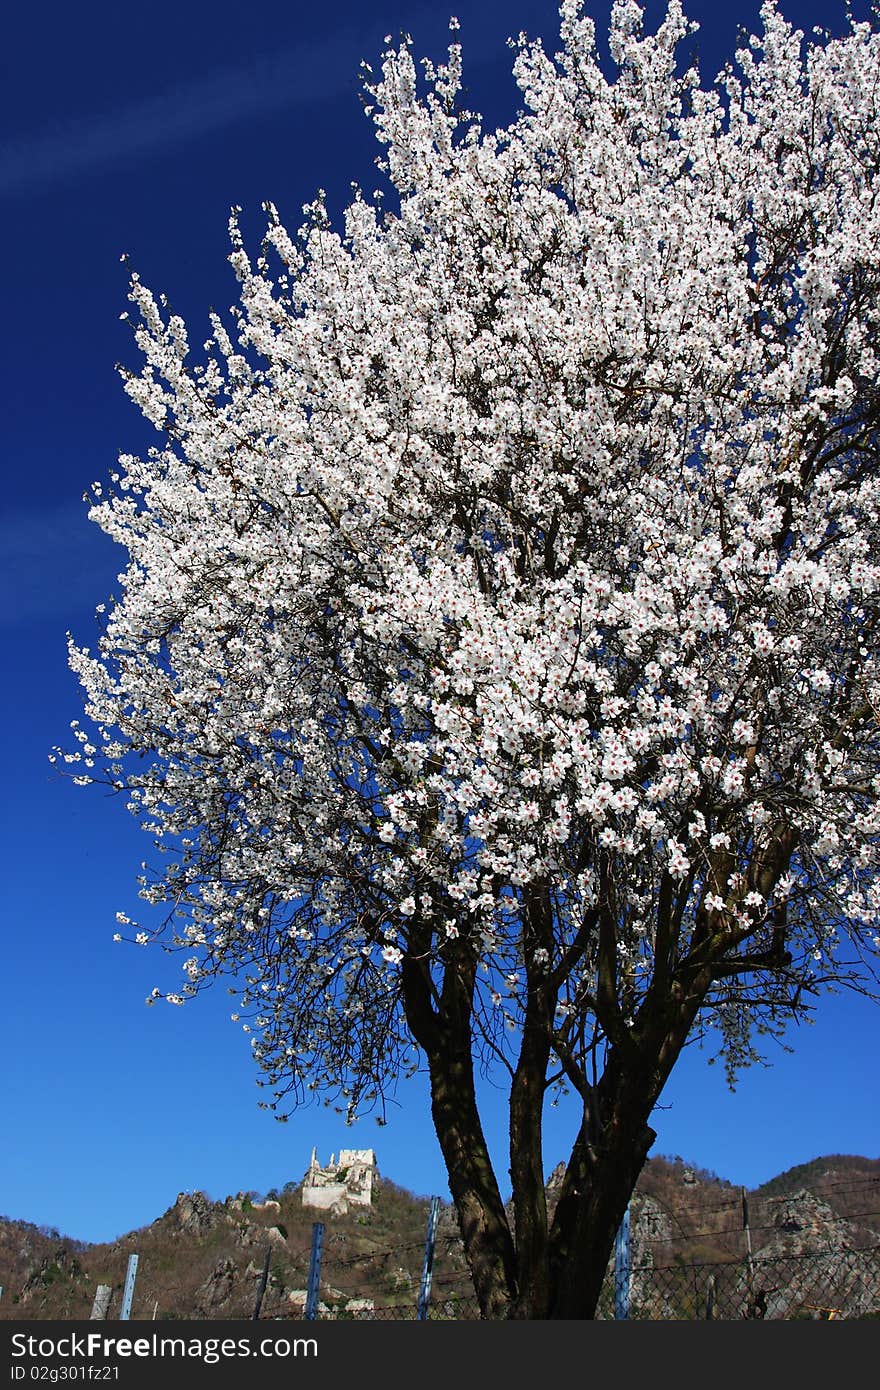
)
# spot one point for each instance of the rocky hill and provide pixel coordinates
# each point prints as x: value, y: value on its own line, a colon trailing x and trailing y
x: 206, y: 1259
x: 684, y: 1213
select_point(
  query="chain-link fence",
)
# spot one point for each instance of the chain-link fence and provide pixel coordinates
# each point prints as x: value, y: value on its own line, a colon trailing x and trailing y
x: 830, y: 1284
x: 729, y: 1255
x: 387, y: 1284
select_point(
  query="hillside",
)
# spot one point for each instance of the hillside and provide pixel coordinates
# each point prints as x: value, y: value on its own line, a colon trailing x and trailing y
x: 205, y: 1259
x: 687, y: 1214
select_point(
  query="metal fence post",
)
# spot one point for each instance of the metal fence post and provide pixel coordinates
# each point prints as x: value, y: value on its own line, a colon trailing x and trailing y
x: 428, y: 1265
x: 747, y: 1229
x: 314, y: 1285
x: 622, y: 1268
x: 101, y: 1305
x: 757, y: 1304
x: 128, y: 1291
x: 264, y: 1279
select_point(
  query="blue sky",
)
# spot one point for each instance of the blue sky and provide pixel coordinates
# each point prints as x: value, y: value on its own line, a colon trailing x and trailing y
x: 132, y: 130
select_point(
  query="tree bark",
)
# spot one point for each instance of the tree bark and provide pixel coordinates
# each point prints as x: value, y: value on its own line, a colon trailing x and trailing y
x: 611, y: 1149
x: 482, y: 1220
x: 443, y: 1031
x: 553, y: 1269
x: 598, y: 1183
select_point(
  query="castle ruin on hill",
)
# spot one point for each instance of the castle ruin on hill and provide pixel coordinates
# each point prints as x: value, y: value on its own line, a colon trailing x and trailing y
x: 345, y: 1182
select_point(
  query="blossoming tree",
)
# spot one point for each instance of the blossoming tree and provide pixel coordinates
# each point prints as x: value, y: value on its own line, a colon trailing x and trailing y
x: 496, y: 662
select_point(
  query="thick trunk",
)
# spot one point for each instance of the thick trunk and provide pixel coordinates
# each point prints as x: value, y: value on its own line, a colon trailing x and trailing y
x: 482, y: 1220
x: 527, y: 1114
x: 533, y: 1272
x: 610, y: 1152
x: 536, y: 1273
x: 445, y: 1035
x: 541, y: 1274
x: 529, y: 1195
x: 598, y: 1185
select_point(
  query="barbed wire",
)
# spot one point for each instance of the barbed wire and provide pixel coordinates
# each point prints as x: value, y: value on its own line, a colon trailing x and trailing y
x: 839, y: 1284
x: 451, y: 1244
x: 739, y: 1230
x: 818, y: 1190
x: 864, y: 1180
x: 368, y: 1255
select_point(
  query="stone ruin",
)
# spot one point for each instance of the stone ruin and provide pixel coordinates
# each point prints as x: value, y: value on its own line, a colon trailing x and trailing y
x: 344, y: 1182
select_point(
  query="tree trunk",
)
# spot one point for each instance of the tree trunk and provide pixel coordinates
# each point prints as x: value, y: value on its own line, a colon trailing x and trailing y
x: 534, y: 1272
x: 610, y: 1152
x: 482, y: 1220
x: 596, y: 1190
x: 445, y: 1036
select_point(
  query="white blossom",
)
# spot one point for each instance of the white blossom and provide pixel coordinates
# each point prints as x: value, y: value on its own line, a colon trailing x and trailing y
x: 518, y: 537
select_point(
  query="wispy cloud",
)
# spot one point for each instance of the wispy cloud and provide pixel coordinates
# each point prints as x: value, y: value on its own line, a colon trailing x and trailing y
x: 307, y: 74
x: 54, y: 564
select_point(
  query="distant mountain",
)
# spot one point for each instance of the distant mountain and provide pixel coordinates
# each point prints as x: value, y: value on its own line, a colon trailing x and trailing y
x: 206, y: 1259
